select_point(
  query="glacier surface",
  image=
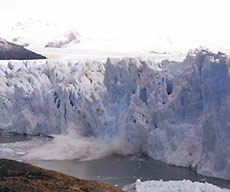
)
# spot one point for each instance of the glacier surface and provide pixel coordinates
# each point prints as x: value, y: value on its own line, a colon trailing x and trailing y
x: 176, y: 112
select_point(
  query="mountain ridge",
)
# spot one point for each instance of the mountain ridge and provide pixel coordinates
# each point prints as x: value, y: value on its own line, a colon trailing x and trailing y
x: 13, y: 51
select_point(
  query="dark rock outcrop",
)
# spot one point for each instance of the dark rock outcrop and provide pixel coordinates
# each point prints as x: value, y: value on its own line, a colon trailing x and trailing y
x: 20, y: 177
x: 70, y: 37
x: 12, y: 51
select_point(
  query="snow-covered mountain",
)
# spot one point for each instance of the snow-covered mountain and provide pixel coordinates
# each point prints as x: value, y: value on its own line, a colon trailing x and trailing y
x: 70, y: 37
x: 176, y: 112
x: 42, y: 36
x: 12, y: 51
x: 38, y: 34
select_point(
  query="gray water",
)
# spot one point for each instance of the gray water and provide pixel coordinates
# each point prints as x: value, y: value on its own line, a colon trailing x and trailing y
x: 123, y: 170
x: 119, y: 170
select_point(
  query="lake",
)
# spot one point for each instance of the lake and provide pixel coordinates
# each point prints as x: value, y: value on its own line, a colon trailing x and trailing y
x: 116, y: 169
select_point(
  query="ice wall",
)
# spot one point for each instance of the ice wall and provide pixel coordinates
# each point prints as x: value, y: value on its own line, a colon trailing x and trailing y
x: 176, y: 112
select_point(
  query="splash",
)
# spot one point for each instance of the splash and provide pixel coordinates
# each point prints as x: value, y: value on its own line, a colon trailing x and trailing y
x: 75, y: 146
x: 63, y: 147
x: 69, y: 146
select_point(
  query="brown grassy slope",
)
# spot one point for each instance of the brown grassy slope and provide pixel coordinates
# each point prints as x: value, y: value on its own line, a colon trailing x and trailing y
x: 20, y: 177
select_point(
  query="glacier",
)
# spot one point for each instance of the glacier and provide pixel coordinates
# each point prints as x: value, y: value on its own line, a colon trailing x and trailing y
x: 173, y: 111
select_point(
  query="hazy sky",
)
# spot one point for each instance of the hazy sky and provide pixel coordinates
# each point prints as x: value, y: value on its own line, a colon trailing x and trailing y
x: 175, y: 21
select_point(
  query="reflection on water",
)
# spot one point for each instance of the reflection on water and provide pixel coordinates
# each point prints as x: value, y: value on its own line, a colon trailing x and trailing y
x: 120, y: 170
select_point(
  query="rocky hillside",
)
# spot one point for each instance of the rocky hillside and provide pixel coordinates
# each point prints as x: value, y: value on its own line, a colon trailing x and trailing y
x: 21, y: 177
x: 12, y: 51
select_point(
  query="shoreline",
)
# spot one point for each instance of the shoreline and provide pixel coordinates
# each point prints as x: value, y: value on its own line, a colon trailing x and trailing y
x: 22, y: 177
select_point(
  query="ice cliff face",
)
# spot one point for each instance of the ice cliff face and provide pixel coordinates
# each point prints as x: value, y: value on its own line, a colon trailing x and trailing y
x: 176, y: 112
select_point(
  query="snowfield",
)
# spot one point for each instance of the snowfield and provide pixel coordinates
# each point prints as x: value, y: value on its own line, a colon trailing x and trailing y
x: 172, y: 186
x: 176, y: 112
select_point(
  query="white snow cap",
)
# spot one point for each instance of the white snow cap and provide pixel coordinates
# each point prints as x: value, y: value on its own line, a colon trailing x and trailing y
x: 35, y: 33
x: 131, y: 25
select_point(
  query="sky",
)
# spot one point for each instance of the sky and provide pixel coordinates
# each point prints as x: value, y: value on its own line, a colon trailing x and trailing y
x: 178, y: 24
